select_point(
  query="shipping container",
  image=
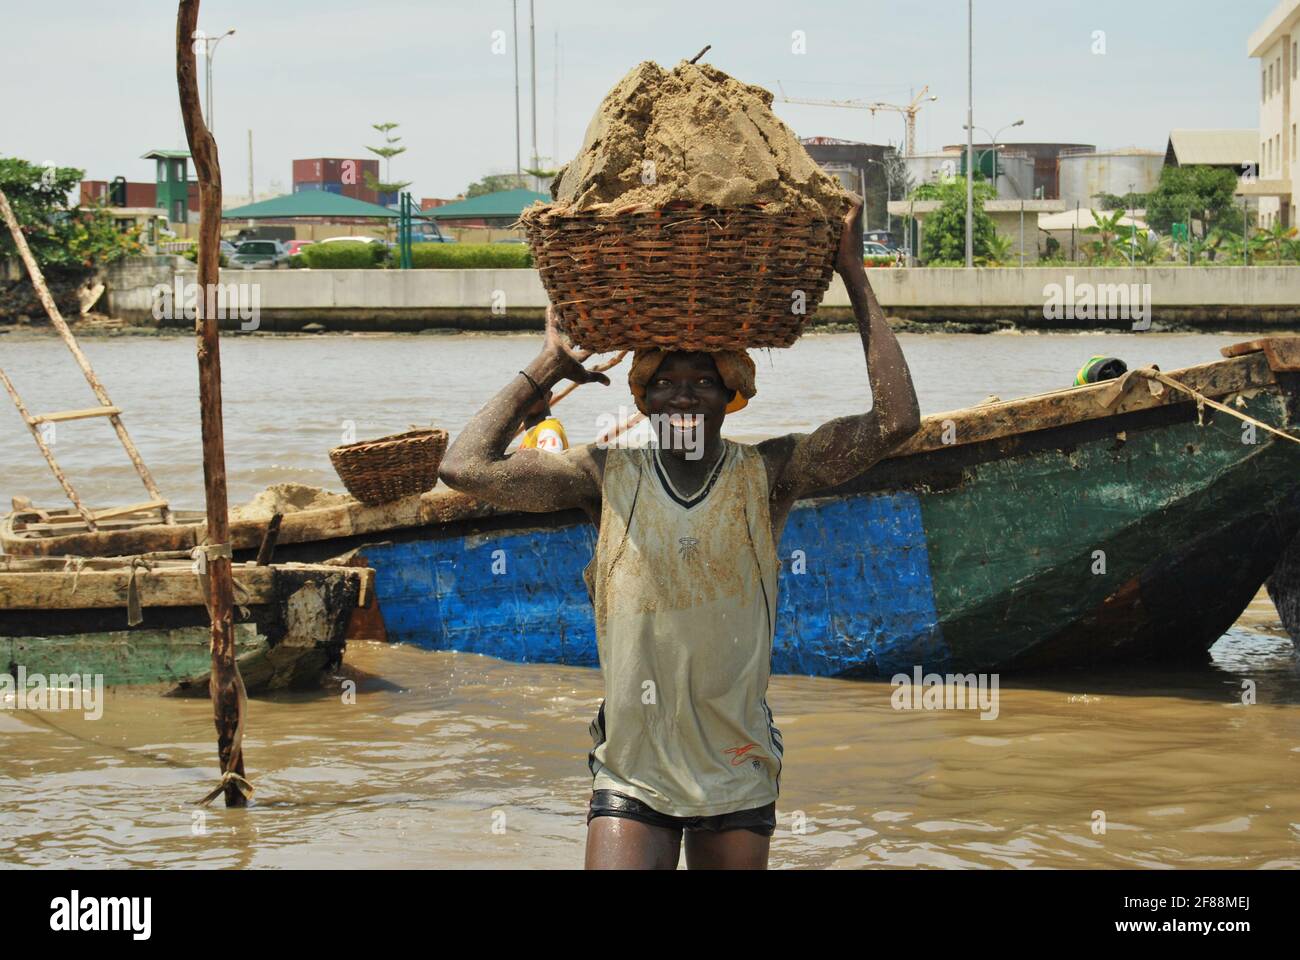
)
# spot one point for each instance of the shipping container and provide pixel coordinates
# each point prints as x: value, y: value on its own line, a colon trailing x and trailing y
x: 307, y: 171
x: 359, y: 191
x: 143, y: 194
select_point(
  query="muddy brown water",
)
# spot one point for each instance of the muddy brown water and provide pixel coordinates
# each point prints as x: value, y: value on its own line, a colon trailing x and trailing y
x: 443, y: 759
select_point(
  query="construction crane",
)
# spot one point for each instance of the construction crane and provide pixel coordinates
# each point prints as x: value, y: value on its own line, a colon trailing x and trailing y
x: 910, y: 111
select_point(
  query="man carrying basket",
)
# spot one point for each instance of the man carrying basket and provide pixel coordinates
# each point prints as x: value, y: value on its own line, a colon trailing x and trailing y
x: 684, y: 577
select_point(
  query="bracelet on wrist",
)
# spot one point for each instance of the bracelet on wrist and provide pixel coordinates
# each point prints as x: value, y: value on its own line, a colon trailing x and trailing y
x: 536, y: 388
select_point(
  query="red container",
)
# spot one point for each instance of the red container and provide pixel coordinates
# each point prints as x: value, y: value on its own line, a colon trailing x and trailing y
x: 308, y: 171
x: 317, y: 170
x: 359, y: 191
x: 93, y: 191
x: 141, y: 194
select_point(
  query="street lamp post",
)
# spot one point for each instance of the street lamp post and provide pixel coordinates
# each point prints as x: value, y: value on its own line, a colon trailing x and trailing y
x: 970, y: 134
x: 889, y: 222
x: 1133, y: 235
x: 209, y: 47
x: 994, y: 139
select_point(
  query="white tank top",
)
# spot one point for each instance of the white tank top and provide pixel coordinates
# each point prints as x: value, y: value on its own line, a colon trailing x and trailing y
x: 684, y: 590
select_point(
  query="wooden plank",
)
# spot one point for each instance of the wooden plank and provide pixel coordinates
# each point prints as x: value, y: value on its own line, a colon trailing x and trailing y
x: 168, y: 586
x: 1243, y: 348
x: 1283, y: 354
x: 123, y: 511
x: 63, y: 526
x: 86, y: 414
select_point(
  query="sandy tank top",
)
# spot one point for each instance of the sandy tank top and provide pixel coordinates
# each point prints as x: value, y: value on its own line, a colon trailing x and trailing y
x: 684, y: 591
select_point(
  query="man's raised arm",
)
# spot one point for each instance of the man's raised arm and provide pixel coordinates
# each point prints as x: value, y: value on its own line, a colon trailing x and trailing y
x: 534, y: 480
x: 841, y: 449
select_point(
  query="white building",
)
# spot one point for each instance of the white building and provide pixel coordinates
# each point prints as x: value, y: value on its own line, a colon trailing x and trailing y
x: 1275, y: 44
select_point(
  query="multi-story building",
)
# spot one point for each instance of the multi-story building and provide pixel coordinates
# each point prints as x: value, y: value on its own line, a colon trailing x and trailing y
x: 1276, y: 44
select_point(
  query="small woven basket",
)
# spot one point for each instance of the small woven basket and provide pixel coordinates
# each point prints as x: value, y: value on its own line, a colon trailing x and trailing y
x: 682, y: 277
x: 387, y: 469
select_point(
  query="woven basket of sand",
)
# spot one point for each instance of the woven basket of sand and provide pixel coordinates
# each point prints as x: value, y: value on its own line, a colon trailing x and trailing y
x: 692, y: 219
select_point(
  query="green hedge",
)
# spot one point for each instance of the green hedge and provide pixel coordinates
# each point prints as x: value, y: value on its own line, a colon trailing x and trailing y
x: 424, y: 256
x: 340, y: 256
x: 469, y: 256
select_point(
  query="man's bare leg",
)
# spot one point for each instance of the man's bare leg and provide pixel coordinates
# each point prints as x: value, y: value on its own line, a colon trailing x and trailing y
x: 619, y: 843
x: 726, y: 850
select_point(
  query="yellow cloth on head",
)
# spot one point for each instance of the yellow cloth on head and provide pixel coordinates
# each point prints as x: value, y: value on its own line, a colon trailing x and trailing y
x: 734, y: 367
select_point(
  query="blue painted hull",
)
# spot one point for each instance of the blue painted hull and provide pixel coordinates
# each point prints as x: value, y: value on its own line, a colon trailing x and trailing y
x: 520, y: 596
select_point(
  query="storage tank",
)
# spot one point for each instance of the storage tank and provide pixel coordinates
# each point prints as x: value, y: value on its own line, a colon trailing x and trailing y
x: 929, y: 167
x: 1015, y: 176
x: 1084, y: 175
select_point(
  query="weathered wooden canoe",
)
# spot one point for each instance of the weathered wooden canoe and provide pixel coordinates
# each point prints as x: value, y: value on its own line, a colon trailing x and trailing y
x: 74, y: 616
x: 1110, y: 522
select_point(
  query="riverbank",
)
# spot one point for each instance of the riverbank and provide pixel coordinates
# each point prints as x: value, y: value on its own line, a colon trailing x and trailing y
x: 116, y: 328
x: 151, y: 293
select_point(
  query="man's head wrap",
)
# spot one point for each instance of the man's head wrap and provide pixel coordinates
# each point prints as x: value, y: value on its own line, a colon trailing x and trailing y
x: 734, y: 367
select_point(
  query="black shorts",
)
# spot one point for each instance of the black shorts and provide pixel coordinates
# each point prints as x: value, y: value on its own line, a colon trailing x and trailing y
x: 609, y: 803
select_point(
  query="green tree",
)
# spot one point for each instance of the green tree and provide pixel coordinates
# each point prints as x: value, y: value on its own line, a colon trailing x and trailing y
x: 493, y: 183
x: 1116, y: 201
x: 59, y: 235
x: 1148, y: 248
x: 943, y: 233
x: 387, y: 151
x: 1204, y: 192
x: 1107, y: 229
x: 999, y: 253
x: 1275, y: 242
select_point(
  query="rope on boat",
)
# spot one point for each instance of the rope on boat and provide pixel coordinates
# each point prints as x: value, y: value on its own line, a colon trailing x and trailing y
x: 242, y: 785
x: 74, y: 565
x: 1202, y: 401
x: 134, y: 612
x: 205, y: 552
x: 202, y: 554
x: 236, y: 751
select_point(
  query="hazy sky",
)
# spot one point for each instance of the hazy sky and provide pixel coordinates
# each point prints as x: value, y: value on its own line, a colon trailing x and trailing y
x: 92, y: 84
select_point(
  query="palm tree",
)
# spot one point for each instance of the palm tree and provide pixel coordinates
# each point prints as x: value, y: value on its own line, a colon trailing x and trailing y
x: 998, y: 251
x: 1149, y: 248
x: 1274, y: 240
x: 1107, y: 229
x: 1233, y: 246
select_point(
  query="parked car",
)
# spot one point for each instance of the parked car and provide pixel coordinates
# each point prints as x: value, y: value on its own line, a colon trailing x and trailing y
x: 294, y: 247
x: 227, y: 249
x: 882, y: 237
x: 429, y: 232
x: 872, y: 249
x: 352, y: 240
x: 259, y: 254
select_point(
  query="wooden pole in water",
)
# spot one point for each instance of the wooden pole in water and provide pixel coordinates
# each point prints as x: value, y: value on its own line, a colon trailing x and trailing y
x: 226, y: 686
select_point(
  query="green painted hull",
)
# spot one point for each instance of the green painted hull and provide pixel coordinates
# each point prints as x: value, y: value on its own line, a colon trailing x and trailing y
x: 1141, y: 536
x: 174, y: 657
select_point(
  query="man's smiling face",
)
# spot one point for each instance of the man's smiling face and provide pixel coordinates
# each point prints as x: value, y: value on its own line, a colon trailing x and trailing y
x: 688, y: 393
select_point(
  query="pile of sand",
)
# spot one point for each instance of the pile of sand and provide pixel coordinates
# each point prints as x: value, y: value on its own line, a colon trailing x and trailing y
x: 287, y: 498
x: 694, y: 134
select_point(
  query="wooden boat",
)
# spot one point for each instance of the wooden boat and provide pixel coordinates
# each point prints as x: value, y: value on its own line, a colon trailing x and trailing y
x: 1117, y: 521
x: 142, y: 620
